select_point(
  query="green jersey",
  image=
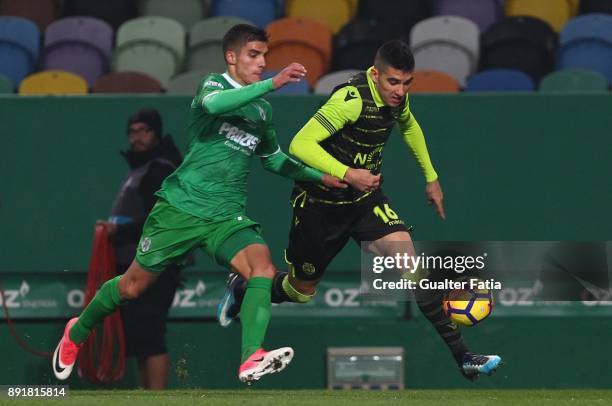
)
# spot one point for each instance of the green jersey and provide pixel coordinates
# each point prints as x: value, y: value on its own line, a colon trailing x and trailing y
x: 211, y: 183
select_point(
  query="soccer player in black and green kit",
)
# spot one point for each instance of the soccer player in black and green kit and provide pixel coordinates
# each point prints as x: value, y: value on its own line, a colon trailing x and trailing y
x: 346, y: 139
x: 202, y: 204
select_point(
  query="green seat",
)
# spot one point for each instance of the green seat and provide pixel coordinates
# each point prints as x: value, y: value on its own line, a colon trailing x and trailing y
x: 186, y: 83
x: 574, y: 80
x: 205, y: 43
x: 187, y: 12
x: 152, y: 45
x: 146, y: 57
x: 6, y: 85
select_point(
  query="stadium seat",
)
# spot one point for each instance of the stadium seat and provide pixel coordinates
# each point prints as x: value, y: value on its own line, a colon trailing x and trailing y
x: 152, y: 45
x: 482, y: 12
x: 447, y: 44
x: 186, y: 12
x: 205, y: 50
x: 500, y: 80
x: 80, y: 45
x: 260, y: 12
x: 586, y: 43
x: 19, y: 44
x: 595, y: 6
x: 53, y: 82
x: 6, y: 84
x: 327, y: 83
x: 186, y: 83
x: 126, y: 82
x: 300, y: 87
x: 114, y: 12
x: 41, y: 12
x: 574, y: 80
x: 357, y: 42
x: 527, y: 44
x: 398, y: 16
x: 301, y: 40
x: 431, y: 81
x: 334, y: 14
x: 555, y: 12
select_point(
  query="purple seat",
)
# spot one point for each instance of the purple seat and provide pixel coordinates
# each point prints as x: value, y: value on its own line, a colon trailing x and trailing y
x: 82, y: 45
x: 482, y: 12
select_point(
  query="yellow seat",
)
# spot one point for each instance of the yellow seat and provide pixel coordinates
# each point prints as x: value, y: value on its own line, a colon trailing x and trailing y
x: 53, y: 82
x: 334, y: 13
x: 554, y: 12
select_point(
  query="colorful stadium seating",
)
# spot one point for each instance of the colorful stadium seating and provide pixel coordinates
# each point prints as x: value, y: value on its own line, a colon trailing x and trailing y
x: 574, y: 80
x: 398, y: 16
x: 327, y: 83
x: 126, y: 82
x: 357, y: 42
x: 186, y: 12
x: 447, y: 44
x: 54, y: 83
x: 152, y: 45
x: 19, y: 47
x: 186, y: 83
x: 431, y: 81
x: 527, y: 44
x: 114, y: 12
x: 172, y: 43
x: 482, y: 12
x: 555, y: 12
x: 260, y: 12
x: 500, y: 80
x: 334, y: 14
x: 41, y: 12
x: 301, y: 40
x: 205, y: 51
x: 586, y: 43
x: 595, y: 6
x: 81, y: 45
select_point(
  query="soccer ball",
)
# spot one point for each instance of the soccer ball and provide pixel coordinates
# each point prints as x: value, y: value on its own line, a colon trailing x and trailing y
x: 468, y: 307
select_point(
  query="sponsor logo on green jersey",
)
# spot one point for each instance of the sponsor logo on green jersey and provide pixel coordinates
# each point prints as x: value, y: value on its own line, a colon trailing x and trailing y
x: 238, y: 136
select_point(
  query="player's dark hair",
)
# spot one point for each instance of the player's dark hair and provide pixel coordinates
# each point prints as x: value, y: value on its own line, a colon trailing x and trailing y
x: 240, y: 34
x: 394, y: 53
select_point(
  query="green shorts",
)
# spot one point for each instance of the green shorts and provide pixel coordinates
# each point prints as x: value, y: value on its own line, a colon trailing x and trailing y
x: 170, y: 234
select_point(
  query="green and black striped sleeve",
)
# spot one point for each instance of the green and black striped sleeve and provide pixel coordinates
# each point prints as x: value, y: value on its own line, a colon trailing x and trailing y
x: 343, y: 107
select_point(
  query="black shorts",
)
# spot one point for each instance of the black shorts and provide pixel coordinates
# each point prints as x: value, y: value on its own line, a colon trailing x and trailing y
x: 144, y: 319
x: 319, y: 231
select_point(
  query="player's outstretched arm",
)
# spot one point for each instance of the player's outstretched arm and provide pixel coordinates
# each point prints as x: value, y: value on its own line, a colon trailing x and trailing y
x: 280, y: 164
x: 223, y: 101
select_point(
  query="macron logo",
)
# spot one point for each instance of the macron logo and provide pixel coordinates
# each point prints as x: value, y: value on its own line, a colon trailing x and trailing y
x: 239, y: 136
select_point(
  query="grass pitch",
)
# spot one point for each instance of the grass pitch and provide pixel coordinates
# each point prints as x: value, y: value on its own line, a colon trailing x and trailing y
x: 254, y: 397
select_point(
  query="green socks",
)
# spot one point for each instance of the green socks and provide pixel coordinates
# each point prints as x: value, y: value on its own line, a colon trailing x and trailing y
x: 255, y: 314
x: 104, y: 303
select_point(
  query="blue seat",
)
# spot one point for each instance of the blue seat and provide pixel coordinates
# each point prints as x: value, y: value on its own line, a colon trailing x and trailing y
x: 586, y: 43
x: 19, y: 47
x: 300, y: 87
x: 261, y: 12
x: 500, y: 80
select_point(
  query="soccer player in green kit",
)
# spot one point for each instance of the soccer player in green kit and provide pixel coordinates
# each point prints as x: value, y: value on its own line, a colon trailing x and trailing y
x: 202, y: 204
x: 346, y: 138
